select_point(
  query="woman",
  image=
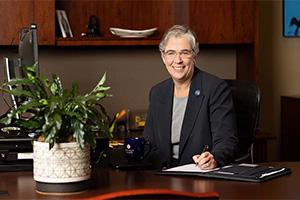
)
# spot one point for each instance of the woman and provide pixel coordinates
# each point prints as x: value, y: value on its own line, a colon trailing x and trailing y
x: 189, y: 111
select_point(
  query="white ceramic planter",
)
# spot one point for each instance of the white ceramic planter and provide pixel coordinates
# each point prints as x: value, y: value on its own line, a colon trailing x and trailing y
x: 64, y: 163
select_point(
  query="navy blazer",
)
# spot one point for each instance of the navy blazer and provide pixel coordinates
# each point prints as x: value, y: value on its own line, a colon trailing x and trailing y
x: 209, y: 120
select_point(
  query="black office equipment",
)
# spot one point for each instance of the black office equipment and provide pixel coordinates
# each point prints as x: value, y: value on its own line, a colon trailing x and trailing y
x: 238, y: 172
x: 15, y: 151
x: 27, y: 55
x: 15, y: 144
x: 4, y: 193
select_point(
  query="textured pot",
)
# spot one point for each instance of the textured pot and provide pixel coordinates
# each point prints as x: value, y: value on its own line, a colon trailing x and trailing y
x: 63, y: 169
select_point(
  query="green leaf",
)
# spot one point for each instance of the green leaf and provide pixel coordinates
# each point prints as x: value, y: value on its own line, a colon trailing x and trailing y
x: 18, y: 81
x: 77, y: 128
x: 73, y: 115
x: 103, y: 111
x: 53, y: 125
x: 43, y: 101
x: 35, y: 81
x: 75, y: 89
x: 104, y: 129
x: 46, y: 81
x: 94, y: 115
x: 56, y: 87
x: 103, y: 79
x: 3, y: 120
x: 100, y: 83
x: 30, y: 77
x: 30, y: 69
x: 101, y: 89
x: 21, y: 93
x: 53, y: 104
x: 101, y: 95
x: 29, y: 124
x: 90, y: 139
x: 66, y: 95
x: 34, y: 103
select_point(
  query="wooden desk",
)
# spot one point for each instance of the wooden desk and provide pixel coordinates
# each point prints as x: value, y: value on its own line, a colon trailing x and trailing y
x: 22, y: 186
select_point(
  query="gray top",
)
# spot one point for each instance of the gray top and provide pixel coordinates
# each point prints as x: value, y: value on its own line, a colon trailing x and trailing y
x: 179, y: 105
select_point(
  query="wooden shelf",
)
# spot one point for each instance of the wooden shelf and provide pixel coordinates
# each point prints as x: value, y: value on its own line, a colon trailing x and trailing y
x: 98, y: 41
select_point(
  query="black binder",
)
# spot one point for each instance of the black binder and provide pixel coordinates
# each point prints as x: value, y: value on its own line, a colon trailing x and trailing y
x: 238, y: 172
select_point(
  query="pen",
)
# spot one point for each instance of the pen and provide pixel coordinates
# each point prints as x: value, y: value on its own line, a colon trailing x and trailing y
x: 204, y: 150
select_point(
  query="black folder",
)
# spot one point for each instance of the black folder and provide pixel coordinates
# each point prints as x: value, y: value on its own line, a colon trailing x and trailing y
x: 239, y: 172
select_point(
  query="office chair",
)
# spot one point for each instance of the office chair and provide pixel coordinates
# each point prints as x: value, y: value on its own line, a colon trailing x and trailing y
x: 155, y: 194
x: 246, y: 100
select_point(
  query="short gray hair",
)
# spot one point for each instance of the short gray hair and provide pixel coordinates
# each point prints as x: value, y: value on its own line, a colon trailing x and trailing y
x: 180, y: 31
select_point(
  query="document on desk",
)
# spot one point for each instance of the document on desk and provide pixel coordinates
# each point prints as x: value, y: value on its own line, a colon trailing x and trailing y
x: 189, y: 168
x: 238, y: 172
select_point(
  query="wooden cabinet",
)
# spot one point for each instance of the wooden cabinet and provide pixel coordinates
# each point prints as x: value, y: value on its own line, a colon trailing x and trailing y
x: 128, y: 14
x: 290, y: 131
x: 15, y: 15
x: 216, y: 23
x: 223, y: 22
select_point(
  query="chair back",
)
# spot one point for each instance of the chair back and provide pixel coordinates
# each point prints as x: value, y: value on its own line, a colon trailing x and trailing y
x: 246, y: 100
x: 155, y: 194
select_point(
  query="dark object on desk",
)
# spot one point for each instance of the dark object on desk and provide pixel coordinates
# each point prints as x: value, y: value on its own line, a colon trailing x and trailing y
x: 4, y: 193
x: 99, y: 157
x: 15, y: 151
x: 118, y: 160
x: 136, y: 149
x: 155, y: 194
x: 246, y: 101
x: 237, y: 172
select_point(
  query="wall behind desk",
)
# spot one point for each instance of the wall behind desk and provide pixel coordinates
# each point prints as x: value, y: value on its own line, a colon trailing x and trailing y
x: 131, y: 71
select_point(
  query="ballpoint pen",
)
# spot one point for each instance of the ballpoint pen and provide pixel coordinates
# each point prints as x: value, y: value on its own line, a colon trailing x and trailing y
x: 206, y: 148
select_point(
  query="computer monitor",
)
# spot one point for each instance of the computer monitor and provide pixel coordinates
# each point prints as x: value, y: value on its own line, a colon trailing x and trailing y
x: 28, y: 47
x: 17, y: 143
x: 27, y: 55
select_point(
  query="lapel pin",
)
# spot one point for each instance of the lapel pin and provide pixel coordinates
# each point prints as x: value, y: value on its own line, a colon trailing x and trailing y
x: 197, y: 92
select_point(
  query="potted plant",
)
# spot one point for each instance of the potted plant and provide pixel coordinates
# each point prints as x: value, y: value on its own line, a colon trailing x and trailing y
x: 65, y: 125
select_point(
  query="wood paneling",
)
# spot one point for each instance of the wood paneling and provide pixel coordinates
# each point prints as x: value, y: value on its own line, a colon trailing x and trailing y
x: 43, y: 17
x: 223, y: 21
x: 16, y: 15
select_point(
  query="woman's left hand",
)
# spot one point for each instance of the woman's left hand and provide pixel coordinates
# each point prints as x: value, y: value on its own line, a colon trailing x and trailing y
x: 205, y: 160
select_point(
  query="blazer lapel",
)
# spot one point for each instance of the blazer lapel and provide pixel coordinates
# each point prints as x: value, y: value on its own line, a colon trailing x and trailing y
x: 165, y: 118
x: 193, y: 106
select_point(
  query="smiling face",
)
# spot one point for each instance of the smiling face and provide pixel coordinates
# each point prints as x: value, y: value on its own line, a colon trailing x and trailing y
x: 179, y: 59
